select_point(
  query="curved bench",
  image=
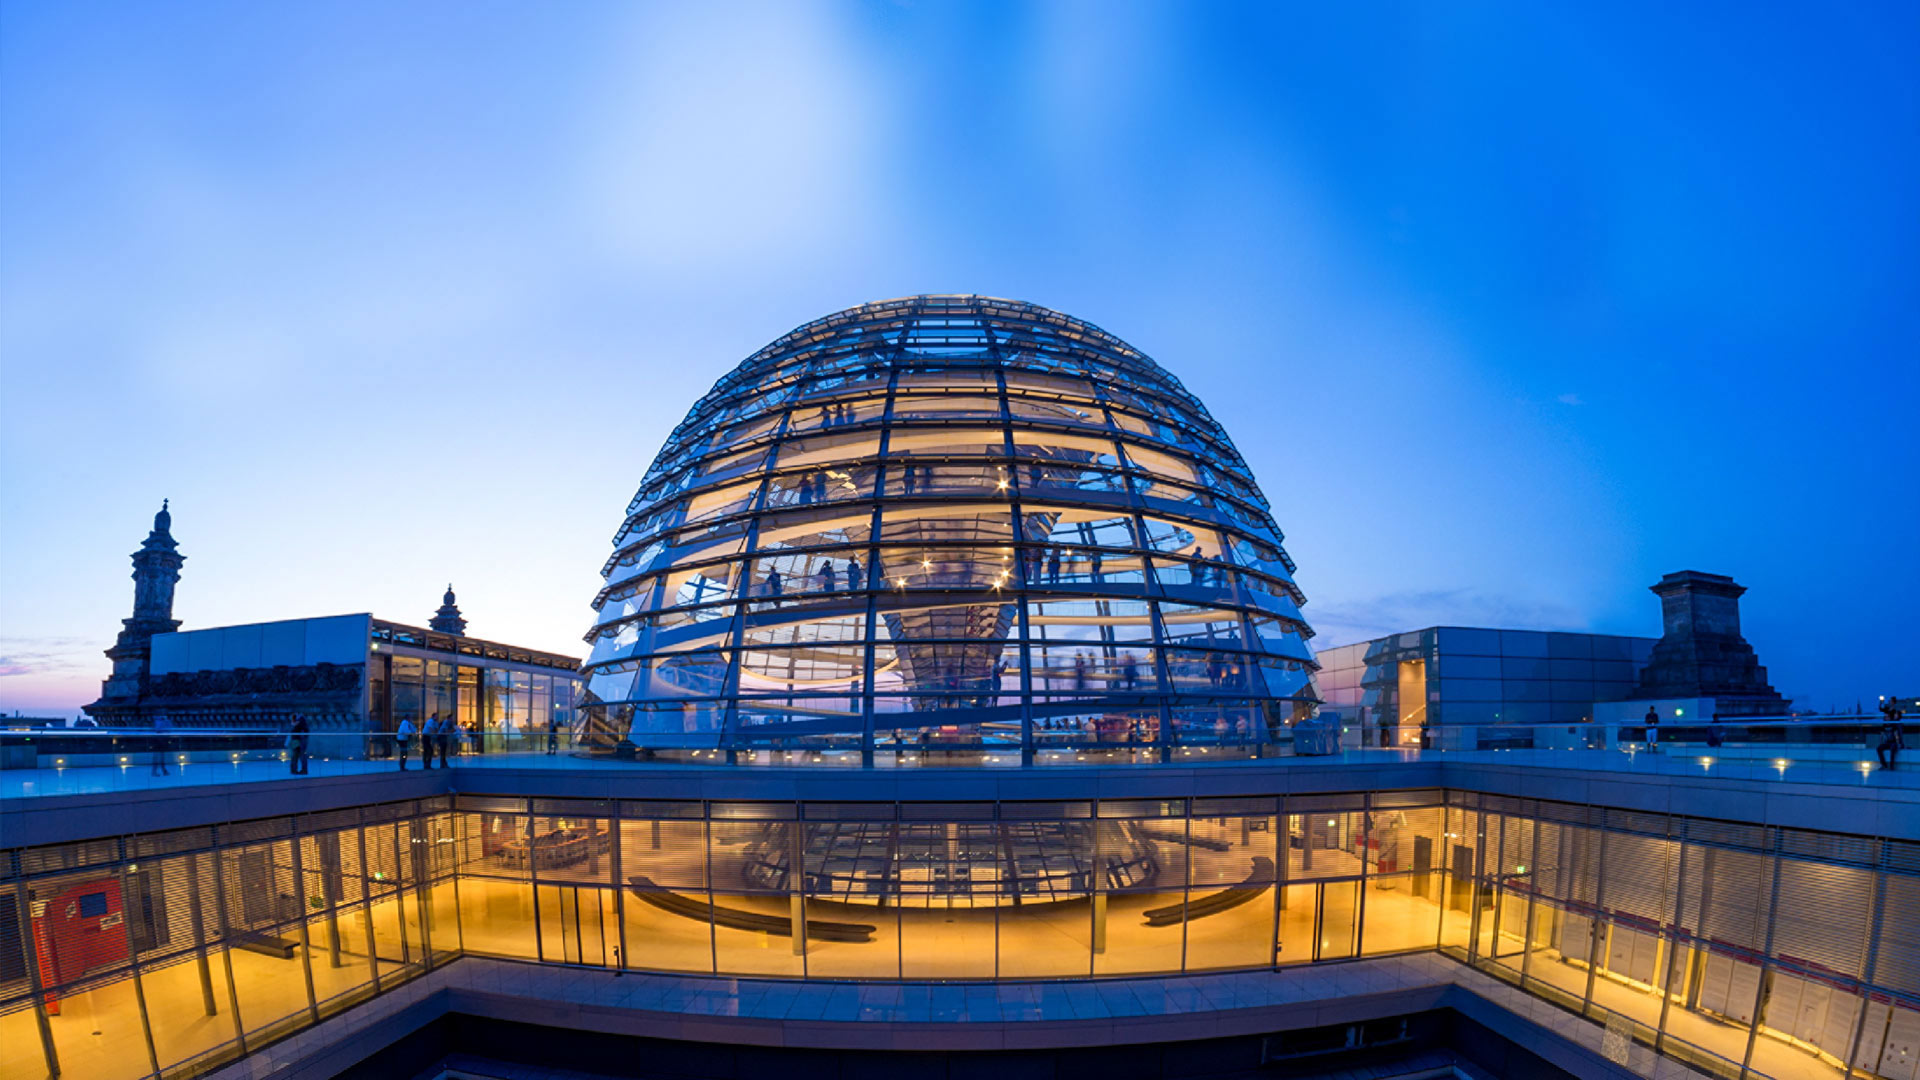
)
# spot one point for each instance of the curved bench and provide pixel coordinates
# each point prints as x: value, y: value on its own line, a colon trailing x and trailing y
x: 263, y: 943
x: 736, y: 919
x: 1168, y: 836
x: 1214, y: 903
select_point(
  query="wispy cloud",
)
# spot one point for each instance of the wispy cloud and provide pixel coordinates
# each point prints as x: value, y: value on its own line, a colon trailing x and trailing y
x: 1391, y: 613
x: 723, y: 141
x: 44, y: 656
x: 1570, y: 399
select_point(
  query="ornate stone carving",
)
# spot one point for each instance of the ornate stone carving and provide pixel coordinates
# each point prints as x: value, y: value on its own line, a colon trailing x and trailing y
x: 156, y: 569
x: 447, y: 620
x: 281, y: 681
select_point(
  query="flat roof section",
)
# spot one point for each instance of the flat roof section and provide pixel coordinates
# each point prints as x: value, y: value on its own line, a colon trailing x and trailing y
x: 55, y: 806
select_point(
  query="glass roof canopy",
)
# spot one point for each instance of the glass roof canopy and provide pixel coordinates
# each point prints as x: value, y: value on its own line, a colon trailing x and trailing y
x: 947, y: 521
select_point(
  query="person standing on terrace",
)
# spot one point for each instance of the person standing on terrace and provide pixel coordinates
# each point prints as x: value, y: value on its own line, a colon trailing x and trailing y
x: 162, y: 742
x: 403, y: 736
x: 297, y: 746
x: 1888, y: 750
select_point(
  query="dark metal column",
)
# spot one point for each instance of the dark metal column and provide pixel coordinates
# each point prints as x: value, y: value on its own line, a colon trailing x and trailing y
x: 1765, y: 982
x: 1594, y: 921
x: 199, y: 935
x: 133, y: 958
x: 30, y: 943
x: 616, y: 860
x: 306, y: 942
x: 226, y: 949
x: 328, y: 843
x: 1870, y: 968
x: 366, y: 906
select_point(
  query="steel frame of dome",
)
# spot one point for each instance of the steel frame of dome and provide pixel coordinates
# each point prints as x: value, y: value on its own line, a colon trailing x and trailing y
x: 948, y: 522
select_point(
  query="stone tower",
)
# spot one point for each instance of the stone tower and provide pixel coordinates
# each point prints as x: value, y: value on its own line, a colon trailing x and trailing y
x: 156, y: 569
x: 1701, y: 653
x: 447, y: 620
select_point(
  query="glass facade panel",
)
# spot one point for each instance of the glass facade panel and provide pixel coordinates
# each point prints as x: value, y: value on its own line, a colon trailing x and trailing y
x: 20, y: 1034
x: 663, y: 866
x: 1339, y: 919
x: 438, y: 688
x: 1230, y: 915
x: 189, y: 1008
x: 1689, y: 937
x: 1042, y: 940
x: 1400, y: 915
x: 98, y: 1032
x: 1137, y: 931
x: 257, y: 883
x: 406, y: 691
x: 758, y: 933
x: 578, y: 925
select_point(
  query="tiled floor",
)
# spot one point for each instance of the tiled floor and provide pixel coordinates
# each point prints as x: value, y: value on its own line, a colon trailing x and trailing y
x: 1772, y: 1056
x: 97, y: 1036
x: 993, y: 1012
x: 95, y: 780
x: 1045, y: 941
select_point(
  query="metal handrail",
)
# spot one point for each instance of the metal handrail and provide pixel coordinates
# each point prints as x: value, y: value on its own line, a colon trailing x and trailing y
x: 1820, y: 739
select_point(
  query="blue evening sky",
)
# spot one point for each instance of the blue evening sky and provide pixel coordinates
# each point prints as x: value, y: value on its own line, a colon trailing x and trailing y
x: 1513, y: 308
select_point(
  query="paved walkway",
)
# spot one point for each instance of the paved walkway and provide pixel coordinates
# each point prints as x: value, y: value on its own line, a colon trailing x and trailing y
x: 95, y: 780
x: 1692, y: 763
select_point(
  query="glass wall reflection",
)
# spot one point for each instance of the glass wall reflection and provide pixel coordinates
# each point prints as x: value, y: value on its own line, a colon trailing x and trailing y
x: 1735, y: 948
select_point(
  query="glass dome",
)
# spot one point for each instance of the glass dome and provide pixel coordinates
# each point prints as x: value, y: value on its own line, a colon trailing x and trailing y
x: 948, y: 526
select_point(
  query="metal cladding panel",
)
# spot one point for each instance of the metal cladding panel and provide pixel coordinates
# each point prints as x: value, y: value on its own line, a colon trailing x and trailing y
x: 168, y: 653
x: 334, y: 639
x: 284, y: 643
x: 1639, y: 877
x: 1824, y: 916
x: 1733, y: 896
x: 239, y: 646
x: 338, y: 639
x: 206, y: 650
x: 1897, y: 964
